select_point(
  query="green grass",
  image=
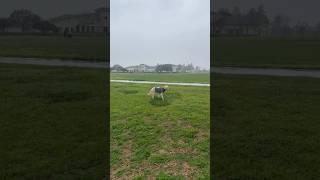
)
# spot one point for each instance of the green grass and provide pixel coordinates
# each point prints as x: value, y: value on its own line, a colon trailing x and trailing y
x: 164, y: 77
x: 52, y: 123
x: 275, y: 53
x: 265, y: 127
x: 164, y: 140
x: 78, y: 47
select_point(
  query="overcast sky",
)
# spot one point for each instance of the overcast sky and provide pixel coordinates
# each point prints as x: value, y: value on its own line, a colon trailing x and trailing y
x: 50, y: 8
x: 298, y: 10
x: 160, y: 31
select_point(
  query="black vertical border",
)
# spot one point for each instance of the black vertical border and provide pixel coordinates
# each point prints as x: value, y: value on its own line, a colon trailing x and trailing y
x: 108, y: 114
x: 211, y: 90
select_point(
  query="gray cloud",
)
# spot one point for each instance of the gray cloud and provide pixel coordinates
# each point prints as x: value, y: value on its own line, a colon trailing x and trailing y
x: 160, y: 31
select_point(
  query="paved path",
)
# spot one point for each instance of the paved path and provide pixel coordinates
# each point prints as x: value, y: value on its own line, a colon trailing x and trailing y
x: 53, y: 62
x: 166, y: 83
x: 221, y: 70
x: 267, y: 72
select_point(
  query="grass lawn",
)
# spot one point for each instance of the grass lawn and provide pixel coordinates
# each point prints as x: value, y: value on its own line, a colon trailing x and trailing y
x: 265, y: 127
x: 164, y: 77
x: 276, y: 53
x: 52, y: 122
x: 78, y: 47
x: 166, y: 140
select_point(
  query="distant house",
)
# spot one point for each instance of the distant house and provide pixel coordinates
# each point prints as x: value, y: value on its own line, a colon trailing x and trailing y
x: 83, y: 23
x: 150, y: 69
x: 141, y: 68
x: 132, y: 69
x: 19, y: 29
x: 13, y: 29
x: 165, y: 68
x: 175, y: 68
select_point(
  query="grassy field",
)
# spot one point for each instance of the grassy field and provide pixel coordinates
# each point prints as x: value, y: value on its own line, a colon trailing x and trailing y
x: 277, y: 53
x: 164, y: 77
x: 52, y: 123
x: 78, y: 47
x: 265, y: 127
x: 155, y: 139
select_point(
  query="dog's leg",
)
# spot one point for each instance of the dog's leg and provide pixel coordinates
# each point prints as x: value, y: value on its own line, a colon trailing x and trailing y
x: 162, y: 97
x: 152, y: 95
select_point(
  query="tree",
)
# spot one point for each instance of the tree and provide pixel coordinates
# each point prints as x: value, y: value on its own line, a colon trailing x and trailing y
x: 45, y: 26
x: 119, y: 68
x: 164, y: 68
x: 180, y: 68
x: 318, y: 27
x: 224, y: 11
x: 252, y: 16
x: 237, y: 20
x: 262, y: 19
x: 301, y: 28
x: 256, y: 19
x: 251, y: 20
x: 3, y: 23
x: 236, y: 11
x: 24, y: 18
x: 189, y: 67
x: 280, y: 25
x: 219, y: 19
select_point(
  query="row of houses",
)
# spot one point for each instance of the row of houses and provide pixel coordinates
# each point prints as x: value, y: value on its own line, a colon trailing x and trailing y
x: 143, y: 68
x: 97, y: 21
x: 94, y: 22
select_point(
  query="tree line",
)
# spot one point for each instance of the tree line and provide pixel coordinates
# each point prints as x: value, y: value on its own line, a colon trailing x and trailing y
x: 178, y: 68
x: 256, y: 22
x: 238, y: 23
x: 163, y: 68
x: 27, y: 21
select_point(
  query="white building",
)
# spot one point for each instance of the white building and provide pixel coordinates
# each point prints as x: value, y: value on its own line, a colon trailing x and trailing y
x: 132, y: 69
x: 174, y: 68
x: 97, y: 21
x: 141, y: 68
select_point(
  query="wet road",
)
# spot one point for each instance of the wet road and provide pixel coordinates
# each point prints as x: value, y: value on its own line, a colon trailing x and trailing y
x: 220, y: 70
x: 166, y: 83
x: 267, y: 72
x: 53, y: 62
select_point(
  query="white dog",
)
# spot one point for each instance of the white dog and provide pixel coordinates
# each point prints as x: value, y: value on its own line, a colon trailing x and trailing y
x: 159, y: 91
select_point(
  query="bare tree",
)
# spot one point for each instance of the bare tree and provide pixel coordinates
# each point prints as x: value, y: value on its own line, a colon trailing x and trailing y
x: 24, y: 18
